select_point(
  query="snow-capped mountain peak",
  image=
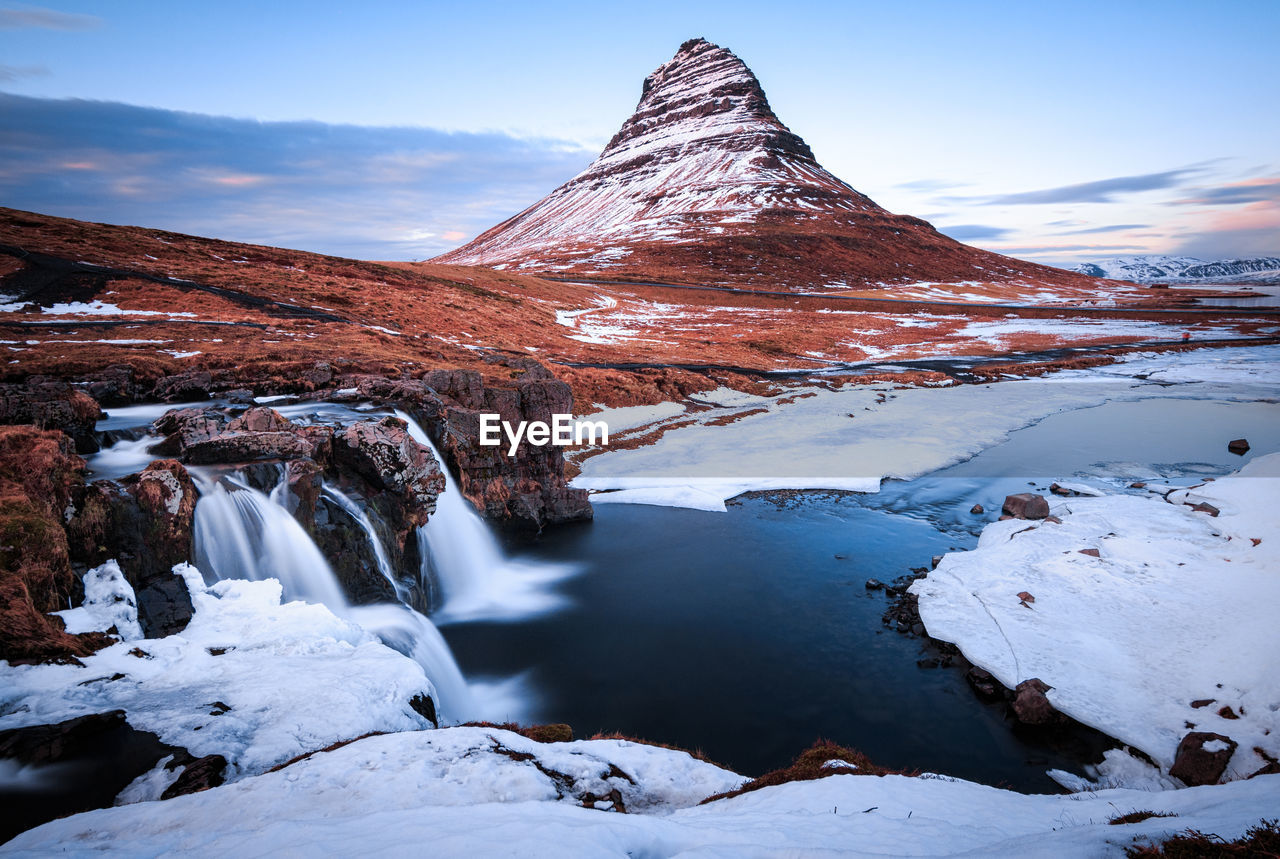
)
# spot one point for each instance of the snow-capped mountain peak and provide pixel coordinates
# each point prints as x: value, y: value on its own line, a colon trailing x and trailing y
x: 704, y: 183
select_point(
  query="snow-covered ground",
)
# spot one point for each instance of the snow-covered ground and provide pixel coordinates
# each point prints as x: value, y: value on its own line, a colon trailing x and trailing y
x: 293, y: 677
x: 853, y: 437
x: 1178, y: 607
x: 484, y: 792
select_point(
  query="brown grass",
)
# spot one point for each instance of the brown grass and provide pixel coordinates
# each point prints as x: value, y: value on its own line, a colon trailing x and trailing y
x: 810, y: 765
x: 1262, y: 840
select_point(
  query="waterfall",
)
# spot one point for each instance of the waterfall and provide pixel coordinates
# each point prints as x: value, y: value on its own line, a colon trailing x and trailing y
x: 463, y: 557
x: 241, y: 533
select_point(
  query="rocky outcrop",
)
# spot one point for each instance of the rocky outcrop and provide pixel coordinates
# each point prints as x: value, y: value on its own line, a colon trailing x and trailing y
x: 1202, y: 758
x: 39, y: 473
x: 52, y: 404
x: 145, y: 523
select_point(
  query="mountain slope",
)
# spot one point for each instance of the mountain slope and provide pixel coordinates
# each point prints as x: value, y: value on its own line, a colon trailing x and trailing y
x: 1146, y: 269
x: 704, y: 183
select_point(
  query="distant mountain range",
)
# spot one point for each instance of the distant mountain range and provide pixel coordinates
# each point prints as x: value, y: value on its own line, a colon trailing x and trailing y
x: 704, y: 184
x: 1170, y: 269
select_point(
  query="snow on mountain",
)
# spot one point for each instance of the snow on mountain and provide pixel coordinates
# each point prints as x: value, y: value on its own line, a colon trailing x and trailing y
x: 704, y: 182
x: 1148, y: 269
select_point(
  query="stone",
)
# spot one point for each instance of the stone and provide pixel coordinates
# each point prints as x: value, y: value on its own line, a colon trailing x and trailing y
x: 1238, y: 446
x: 983, y: 683
x: 1092, y: 553
x: 977, y: 510
x: 1025, y: 597
x: 1204, y: 507
x: 1025, y: 505
x: 1202, y: 758
x: 1031, y: 705
x: 198, y: 774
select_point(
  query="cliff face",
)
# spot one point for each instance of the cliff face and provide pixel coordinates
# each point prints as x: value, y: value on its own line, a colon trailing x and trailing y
x: 704, y: 183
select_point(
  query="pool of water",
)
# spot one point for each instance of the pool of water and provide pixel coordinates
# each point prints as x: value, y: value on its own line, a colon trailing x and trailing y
x: 749, y: 634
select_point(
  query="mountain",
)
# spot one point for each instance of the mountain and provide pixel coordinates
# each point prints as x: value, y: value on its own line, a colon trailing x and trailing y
x: 1147, y: 269
x: 705, y: 184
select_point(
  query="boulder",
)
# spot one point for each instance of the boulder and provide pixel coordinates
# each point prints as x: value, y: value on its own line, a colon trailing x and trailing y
x: 1025, y: 505
x: 977, y: 510
x: 1031, y: 705
x: 1202, y: 758
x: 1238, y: 446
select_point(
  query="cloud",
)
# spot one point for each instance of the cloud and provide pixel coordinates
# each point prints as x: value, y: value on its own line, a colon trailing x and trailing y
x: 29, y: 17
x: 1049, y: 249
x: 1115, y: 228
x: 1102, y: 191
x: 929, y: 185
x: 1252, y: 230
x: 375, y: 193
x: 13, y: 73
x: 1236, y: 193
x: 972, y: 232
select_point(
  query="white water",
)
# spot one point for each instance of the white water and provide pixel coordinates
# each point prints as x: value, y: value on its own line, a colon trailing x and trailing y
x: 240, y: 533
x: 463, y: 557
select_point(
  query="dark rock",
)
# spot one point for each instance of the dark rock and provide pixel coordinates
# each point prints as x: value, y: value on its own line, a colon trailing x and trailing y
x: 1203, y: 507
x: 99, y: 753
x: 50, y: 404
x: 874, y: 585
x: 1031, y: 705
x: 145, y: 522
x: 977, y: 510
x: 1238, y: 446
x: 199, y: 774
x: 191, y: 385
x: 1063, y: 491
x: 425, y: 706
x: 1202, y: 702
x: 1194, y: 765
x: 1025, y: 597
x: 983, y: 683
x: 1025, y: 505
x: 1093, y: 553
x: 1228, y: 713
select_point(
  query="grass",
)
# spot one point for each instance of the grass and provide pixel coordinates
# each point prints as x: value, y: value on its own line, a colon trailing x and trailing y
x: 1262, y: 840
x: 811, y: 764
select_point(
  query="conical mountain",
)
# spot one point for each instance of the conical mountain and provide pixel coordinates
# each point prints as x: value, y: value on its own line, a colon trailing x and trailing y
x: 705, y: 184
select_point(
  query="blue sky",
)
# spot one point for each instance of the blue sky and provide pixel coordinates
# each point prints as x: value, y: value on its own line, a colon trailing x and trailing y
x: 1055, y: 132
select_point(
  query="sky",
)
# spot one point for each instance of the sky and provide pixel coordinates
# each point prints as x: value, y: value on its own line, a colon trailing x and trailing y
x: 1057, y: 132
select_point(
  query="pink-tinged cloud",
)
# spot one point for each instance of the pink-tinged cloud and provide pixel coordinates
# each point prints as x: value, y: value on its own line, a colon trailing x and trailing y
x: 1255, y: 216
x: 453, y: 236
x: 80, y: 165
x: 1236, y: 193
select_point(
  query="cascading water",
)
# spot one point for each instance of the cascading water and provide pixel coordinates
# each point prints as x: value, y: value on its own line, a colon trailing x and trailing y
x: 240, y: 533
x: 463, y: 557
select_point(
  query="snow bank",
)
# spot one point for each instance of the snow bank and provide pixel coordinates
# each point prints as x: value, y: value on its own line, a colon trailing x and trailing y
x: 472, y: 791
x: 853, y: 437
x: 1179, y: 607
x: 292, y: 677
x: 108, y: 601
